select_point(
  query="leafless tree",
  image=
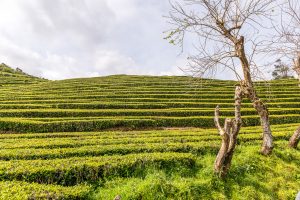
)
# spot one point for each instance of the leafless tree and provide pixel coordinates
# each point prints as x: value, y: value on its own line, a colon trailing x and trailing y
x: 228, y: 37
x: 287, y: 43
x: 229, y: 135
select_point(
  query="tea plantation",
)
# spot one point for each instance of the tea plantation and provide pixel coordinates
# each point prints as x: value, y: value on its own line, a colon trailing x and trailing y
x: 140, y: 137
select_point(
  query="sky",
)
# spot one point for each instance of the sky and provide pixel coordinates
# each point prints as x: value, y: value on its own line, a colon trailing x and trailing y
x: 59, y: 39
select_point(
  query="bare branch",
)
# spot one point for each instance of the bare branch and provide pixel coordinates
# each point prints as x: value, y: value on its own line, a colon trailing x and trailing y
x: 227, y: 33
x: 217, y: 121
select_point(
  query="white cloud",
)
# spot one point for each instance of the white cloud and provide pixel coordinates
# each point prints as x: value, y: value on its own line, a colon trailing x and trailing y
x: 60, y: 39
x: 107, y: 62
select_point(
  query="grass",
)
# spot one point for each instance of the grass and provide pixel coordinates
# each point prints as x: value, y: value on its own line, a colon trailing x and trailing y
x: 252, y: 177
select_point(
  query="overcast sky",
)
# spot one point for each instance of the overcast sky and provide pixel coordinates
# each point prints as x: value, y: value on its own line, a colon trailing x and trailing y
x: 60, y: 39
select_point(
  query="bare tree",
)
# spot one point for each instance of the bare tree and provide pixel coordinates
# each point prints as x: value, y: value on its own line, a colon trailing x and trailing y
x: 229, y: 135
x: 287, y: 44
x: 287, y: 38
x: 228, y: 37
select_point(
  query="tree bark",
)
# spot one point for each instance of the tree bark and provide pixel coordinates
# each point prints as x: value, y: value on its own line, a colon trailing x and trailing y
x: 294, y: 140
x: 219, y: 162
x: 229, y: 136
x: 263, y: 112
x: 237, y: 123
x: 249, y: 91
x: 297, y: 66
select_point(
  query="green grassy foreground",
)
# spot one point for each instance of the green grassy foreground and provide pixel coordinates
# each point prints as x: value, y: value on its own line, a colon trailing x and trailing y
x: 97, y: 138
x: 157, y: 164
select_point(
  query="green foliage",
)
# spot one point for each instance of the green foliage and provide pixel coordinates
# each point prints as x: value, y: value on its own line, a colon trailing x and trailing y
x: 132, y: 102
x: 47, y: 141
x: 20, y: 125
x: 19, y: 190
x: 252, y: 177
x: 72, y: 171
x: 158, y: 164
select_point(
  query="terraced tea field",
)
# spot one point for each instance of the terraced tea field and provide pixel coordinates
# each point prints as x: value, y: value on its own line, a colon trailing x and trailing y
x: 140, y: 137
x: 134, y: 102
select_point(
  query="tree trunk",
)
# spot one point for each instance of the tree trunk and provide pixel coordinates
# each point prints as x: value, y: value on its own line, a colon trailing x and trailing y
x: 297, y: 66
x: 229, y: 136
x: 225, y: 134
x: 236, y: 127
x: 263, y: 112
x: 294, y: 140
x: 249, y: 91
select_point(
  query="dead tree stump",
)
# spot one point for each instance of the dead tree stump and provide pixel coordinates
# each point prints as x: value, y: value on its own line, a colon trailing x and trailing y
x: 118, y: 197
x: 229, y: 136
x: 294, y: 140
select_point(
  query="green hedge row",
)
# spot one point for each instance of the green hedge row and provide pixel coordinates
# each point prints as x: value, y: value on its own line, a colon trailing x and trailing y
x: 21, y: 97
x: 189, y: 144
x: 20, y: 190
x: 153, y: 90
x: 39, y: 141
x: 141, y: 104
x: 143, y: 100
x: 200, y: 146
x: 19, y: 125
x: 149, y: 90
x: 71, y: 126
x: 165, y: 105
x: 181, y: 92
x: 173, y: 132
x: 185, y: 146
x: 37, y: 113
x: 76, y: 170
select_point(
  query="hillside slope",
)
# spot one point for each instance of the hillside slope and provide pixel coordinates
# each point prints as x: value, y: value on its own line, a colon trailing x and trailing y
x: 14, y: 77
x: 53, y: 143
x: 132, y: 102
